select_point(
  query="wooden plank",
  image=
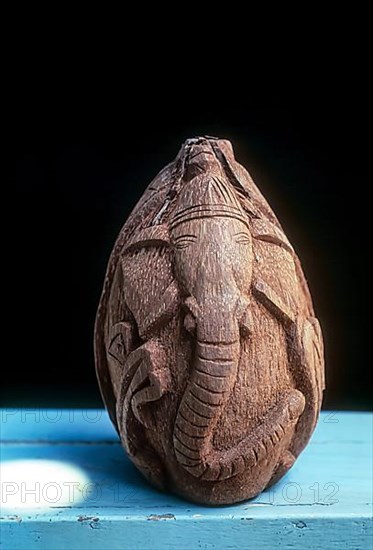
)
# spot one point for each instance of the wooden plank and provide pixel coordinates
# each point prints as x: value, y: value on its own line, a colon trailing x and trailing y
x: 56, y: 425
x: 324, y: 501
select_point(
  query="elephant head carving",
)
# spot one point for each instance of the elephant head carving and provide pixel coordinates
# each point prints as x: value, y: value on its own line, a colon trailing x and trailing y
x: 208, y: 300
x: 213, y: 263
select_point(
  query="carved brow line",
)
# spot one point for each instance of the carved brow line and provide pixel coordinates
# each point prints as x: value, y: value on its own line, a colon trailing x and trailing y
x: 241, y: 233
x: 200, y: 215
x: 186, y: 236
x: 202, y: 207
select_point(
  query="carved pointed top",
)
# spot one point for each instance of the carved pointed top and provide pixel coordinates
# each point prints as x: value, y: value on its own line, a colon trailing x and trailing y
x: 208, y: 143
x: 206, y: 191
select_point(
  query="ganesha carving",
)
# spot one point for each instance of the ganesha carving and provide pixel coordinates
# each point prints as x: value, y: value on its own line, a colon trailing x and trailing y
x: 208, y: 352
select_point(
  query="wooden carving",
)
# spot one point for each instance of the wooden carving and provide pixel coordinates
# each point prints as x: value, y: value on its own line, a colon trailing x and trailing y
x: 208, y: 353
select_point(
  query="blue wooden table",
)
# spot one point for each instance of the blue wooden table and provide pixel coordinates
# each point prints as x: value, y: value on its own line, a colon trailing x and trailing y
x: 67, y: 484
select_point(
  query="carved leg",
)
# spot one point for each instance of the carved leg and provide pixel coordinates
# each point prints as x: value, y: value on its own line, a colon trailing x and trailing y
x: 151, y: 372
x: 286, y: 462
x: 305, y: 341
x: 305, y: 350
x: 280, y: 421
x: 145, y: 379
x: 277, y: 425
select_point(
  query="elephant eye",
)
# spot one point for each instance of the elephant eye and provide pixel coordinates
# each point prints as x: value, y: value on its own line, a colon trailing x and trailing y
x: 184, y: 241
x: 242, y: 238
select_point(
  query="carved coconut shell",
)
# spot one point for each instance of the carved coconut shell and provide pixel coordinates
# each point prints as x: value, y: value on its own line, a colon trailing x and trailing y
x: 208, y: 352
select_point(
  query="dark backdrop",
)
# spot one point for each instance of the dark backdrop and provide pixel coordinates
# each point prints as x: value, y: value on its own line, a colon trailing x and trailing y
x: 81, y: 166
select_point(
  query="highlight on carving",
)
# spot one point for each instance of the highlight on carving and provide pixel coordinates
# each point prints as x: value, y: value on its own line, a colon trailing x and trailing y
x: 208, y: 352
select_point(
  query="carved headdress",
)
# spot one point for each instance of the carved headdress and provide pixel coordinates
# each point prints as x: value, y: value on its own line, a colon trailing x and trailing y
x: 207, y: 197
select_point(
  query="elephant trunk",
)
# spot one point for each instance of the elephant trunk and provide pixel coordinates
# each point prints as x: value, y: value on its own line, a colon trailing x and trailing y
x: 215, y: 369
x: 205, y: 398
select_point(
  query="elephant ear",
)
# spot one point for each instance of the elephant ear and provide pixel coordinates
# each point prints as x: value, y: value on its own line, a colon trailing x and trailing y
x: 274, y: 254
x: 149, y: 287
x: 143, y: 215
x: 270, y: 242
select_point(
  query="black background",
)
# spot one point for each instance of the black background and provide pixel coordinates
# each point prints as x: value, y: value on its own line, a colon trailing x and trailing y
x: 84, y: 159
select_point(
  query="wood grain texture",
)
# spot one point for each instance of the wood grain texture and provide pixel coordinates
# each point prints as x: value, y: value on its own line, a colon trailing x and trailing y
x: 208, y: 352
x: 325, y: 501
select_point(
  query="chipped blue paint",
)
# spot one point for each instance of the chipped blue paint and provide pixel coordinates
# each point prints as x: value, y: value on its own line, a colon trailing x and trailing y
x: 325, y: 501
